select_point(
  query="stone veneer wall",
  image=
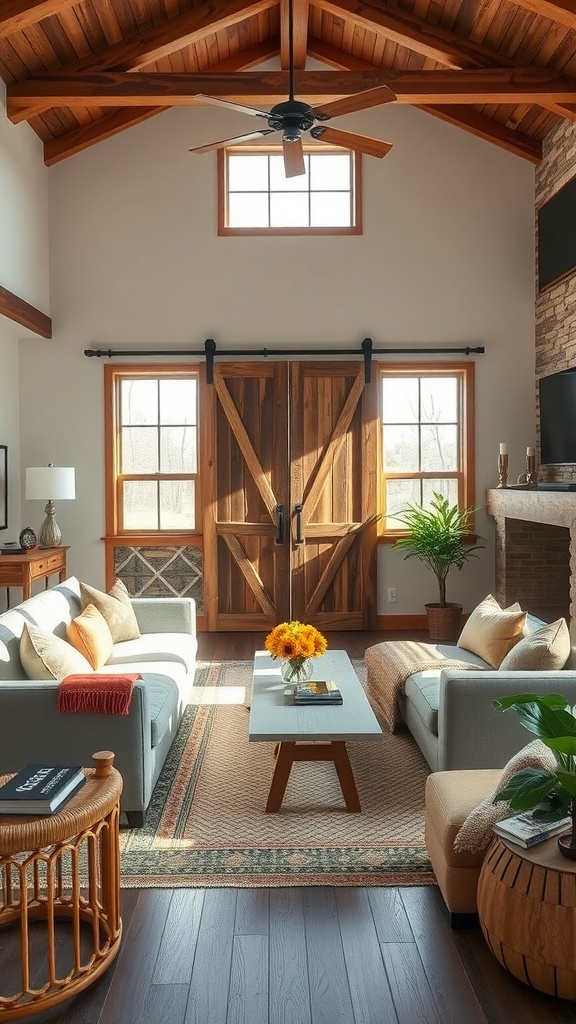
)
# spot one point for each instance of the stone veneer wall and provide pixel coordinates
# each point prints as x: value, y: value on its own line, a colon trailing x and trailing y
x: 556, y: 306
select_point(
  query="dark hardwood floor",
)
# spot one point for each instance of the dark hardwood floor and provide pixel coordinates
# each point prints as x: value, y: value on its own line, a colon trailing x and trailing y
x: 322, y: 955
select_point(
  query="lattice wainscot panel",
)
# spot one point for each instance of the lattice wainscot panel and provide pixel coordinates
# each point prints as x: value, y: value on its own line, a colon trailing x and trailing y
x: 161, y: 571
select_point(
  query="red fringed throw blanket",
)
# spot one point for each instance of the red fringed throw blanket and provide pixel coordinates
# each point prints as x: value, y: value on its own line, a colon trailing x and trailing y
x: 97, y: 694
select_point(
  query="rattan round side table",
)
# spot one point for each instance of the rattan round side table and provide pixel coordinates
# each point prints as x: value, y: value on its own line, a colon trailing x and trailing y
x: 65, y: 866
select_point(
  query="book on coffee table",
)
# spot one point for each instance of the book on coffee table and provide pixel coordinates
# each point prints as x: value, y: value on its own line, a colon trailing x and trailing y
x: 526, y: 831
x: 40, y: 788
x: 317, y: 691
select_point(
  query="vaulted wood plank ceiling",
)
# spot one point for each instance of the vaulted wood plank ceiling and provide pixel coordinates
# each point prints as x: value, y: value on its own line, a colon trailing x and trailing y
x: 79, y: 72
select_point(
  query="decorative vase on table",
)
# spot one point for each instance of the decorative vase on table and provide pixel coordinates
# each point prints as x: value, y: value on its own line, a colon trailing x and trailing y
x: 296, y: 670
x: 295, y: 644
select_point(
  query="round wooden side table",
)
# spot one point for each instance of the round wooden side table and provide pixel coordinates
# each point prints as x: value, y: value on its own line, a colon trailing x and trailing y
x: 527, y: 911
x: 66, y: 865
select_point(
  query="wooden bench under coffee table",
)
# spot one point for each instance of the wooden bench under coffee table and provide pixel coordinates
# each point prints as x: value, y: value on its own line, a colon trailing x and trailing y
x: 310, y: 732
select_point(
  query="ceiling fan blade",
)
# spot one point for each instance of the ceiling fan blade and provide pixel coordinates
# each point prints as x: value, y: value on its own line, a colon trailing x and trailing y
x: 293, y: 158
x: 216, y: 102
x: 229, y: 142
x: 360, y: 101
x: 359, y: 143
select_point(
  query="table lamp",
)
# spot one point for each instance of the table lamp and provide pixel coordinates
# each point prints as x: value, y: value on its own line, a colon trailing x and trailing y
x: 50, y: 482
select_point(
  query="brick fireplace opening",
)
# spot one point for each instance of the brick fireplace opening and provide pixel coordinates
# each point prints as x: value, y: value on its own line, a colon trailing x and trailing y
x: 536, y: 551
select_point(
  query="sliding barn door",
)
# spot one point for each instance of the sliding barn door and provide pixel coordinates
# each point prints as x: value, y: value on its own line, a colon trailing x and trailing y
x: 333, y: 443
x: 245, y: 497
x: 289, y: 493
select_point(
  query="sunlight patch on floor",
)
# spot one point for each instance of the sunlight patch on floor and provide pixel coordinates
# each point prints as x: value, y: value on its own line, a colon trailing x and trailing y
x: 218, y: 695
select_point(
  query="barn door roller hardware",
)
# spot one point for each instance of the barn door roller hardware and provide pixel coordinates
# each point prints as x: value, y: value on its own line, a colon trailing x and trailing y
x: 367, y: 350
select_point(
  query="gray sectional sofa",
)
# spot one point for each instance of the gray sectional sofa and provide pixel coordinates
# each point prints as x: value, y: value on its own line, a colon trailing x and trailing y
x: 31, y: 729
x: 449, y: 711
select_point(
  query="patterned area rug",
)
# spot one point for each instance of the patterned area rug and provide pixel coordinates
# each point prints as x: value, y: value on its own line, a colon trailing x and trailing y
x: 206, y: 824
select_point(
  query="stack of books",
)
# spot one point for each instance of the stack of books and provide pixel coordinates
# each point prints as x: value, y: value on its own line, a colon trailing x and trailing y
x: 526, y: 831
x: 317, y: 691
x: 40, y: 788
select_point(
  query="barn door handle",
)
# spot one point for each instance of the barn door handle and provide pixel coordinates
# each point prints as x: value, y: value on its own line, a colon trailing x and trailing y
x: 298, y: 509
x: 280, y: 524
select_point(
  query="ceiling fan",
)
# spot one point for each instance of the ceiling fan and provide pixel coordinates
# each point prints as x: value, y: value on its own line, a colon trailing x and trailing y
x: 293, y: 118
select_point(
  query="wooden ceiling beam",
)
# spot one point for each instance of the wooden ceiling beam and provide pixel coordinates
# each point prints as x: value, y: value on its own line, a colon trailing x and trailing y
x: 562, y: 11
x: 21, y: 312
x: 461, y: 117
x: 112, y: 124
x: 16, y: 15
x: 300, y: 33
x: 160, y: 41
x: 118, y: 89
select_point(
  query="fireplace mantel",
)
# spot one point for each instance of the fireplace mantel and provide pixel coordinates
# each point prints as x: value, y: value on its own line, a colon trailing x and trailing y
x: 536, y: 550
x: 558, y: 508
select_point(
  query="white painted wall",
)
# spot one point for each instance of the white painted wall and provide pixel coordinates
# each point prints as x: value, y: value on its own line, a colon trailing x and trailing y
x: 446, y: 258
x: 24, y: 271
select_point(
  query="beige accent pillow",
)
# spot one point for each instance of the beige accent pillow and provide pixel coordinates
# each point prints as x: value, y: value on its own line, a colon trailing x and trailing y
x: 90, y: 634
x: 46, y: 656
x: 546, y: 648
x: 492, y: 631
x: 116, y: 607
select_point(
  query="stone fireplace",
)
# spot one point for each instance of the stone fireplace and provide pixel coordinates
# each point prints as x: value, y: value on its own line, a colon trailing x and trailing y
x: 536, y: 551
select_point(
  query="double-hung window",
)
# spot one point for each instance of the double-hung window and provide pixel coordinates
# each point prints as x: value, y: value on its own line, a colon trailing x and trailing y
x: 152, y: 451
x: 427, y: 423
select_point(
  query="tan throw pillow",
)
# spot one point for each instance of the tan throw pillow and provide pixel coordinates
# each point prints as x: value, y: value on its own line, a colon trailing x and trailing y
x: 90, y: 634
x: 116, y: 607
x: 492, y: 631
x: 46, y: 656
x: 547, y: 648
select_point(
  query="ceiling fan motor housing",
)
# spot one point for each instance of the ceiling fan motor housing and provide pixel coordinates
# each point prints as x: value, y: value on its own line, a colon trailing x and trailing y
x: 291, y: 118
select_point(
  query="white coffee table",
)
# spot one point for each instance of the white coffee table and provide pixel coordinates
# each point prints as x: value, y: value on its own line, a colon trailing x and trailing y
x: 311, y: 732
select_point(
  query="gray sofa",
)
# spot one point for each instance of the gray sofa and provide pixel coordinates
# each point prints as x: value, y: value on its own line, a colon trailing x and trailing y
x: 450, y: 715
x: 31, y: 729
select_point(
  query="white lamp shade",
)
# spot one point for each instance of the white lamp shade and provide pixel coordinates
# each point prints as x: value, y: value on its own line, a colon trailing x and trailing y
x: 50, y: 482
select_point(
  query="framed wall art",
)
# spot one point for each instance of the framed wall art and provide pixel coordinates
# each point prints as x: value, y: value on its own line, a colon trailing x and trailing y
x: 3, y: 486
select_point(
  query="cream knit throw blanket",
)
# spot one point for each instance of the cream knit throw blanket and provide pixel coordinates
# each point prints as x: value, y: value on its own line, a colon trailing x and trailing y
x: 475, y: 833
x: 389, y: 664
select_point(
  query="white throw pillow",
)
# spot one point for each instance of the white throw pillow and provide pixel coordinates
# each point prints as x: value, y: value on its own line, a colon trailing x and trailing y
x: 491, y: 631
x: 547, y: 648
x: 46, y: 656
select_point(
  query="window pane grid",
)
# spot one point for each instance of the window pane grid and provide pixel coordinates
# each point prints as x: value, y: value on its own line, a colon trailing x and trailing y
x: 423, y: 441
x: 326, y: 202
x: 157, y: 443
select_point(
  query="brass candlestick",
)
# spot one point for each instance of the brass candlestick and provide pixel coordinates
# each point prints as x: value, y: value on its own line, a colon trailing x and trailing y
x: 502, y: 471
x: 530, y: 468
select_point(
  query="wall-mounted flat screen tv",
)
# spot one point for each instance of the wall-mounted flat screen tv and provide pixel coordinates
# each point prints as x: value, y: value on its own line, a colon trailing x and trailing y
x: 557, y: 236
x: 558, y: 418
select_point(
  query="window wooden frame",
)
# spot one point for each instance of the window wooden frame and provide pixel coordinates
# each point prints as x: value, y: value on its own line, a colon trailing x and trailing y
x: 464, y: 475
x: 225, y: 230
x: 113, y: 376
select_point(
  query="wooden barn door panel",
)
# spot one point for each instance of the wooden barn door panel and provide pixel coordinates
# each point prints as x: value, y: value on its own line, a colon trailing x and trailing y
x: 311, y: 449
x: 246, y: 469
x: 333, y: 443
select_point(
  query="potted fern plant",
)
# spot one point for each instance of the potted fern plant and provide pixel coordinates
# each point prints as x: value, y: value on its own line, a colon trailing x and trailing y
x: 550, y: 794
x: 437, y: 538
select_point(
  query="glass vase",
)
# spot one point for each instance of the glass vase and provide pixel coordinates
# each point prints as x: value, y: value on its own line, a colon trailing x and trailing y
x: 296, y: 670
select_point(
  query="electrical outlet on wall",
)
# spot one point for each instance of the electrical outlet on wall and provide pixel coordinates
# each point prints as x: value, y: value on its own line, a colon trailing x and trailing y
x: 391, y: 595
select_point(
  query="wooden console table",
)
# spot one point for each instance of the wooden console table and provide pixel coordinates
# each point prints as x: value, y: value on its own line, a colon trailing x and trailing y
x: 21, y: 570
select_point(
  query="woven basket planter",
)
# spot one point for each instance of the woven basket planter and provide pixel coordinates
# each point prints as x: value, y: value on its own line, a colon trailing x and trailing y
x: 444, y: 622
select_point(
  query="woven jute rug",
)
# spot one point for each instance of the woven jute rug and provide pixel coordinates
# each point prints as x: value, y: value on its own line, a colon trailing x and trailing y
x: 206, y: 824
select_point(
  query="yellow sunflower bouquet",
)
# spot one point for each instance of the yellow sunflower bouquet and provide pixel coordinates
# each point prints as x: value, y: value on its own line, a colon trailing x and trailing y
x: 295, y: 643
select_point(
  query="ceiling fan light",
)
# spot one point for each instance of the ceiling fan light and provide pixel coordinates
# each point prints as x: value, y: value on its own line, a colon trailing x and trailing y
x: 291, y: 134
